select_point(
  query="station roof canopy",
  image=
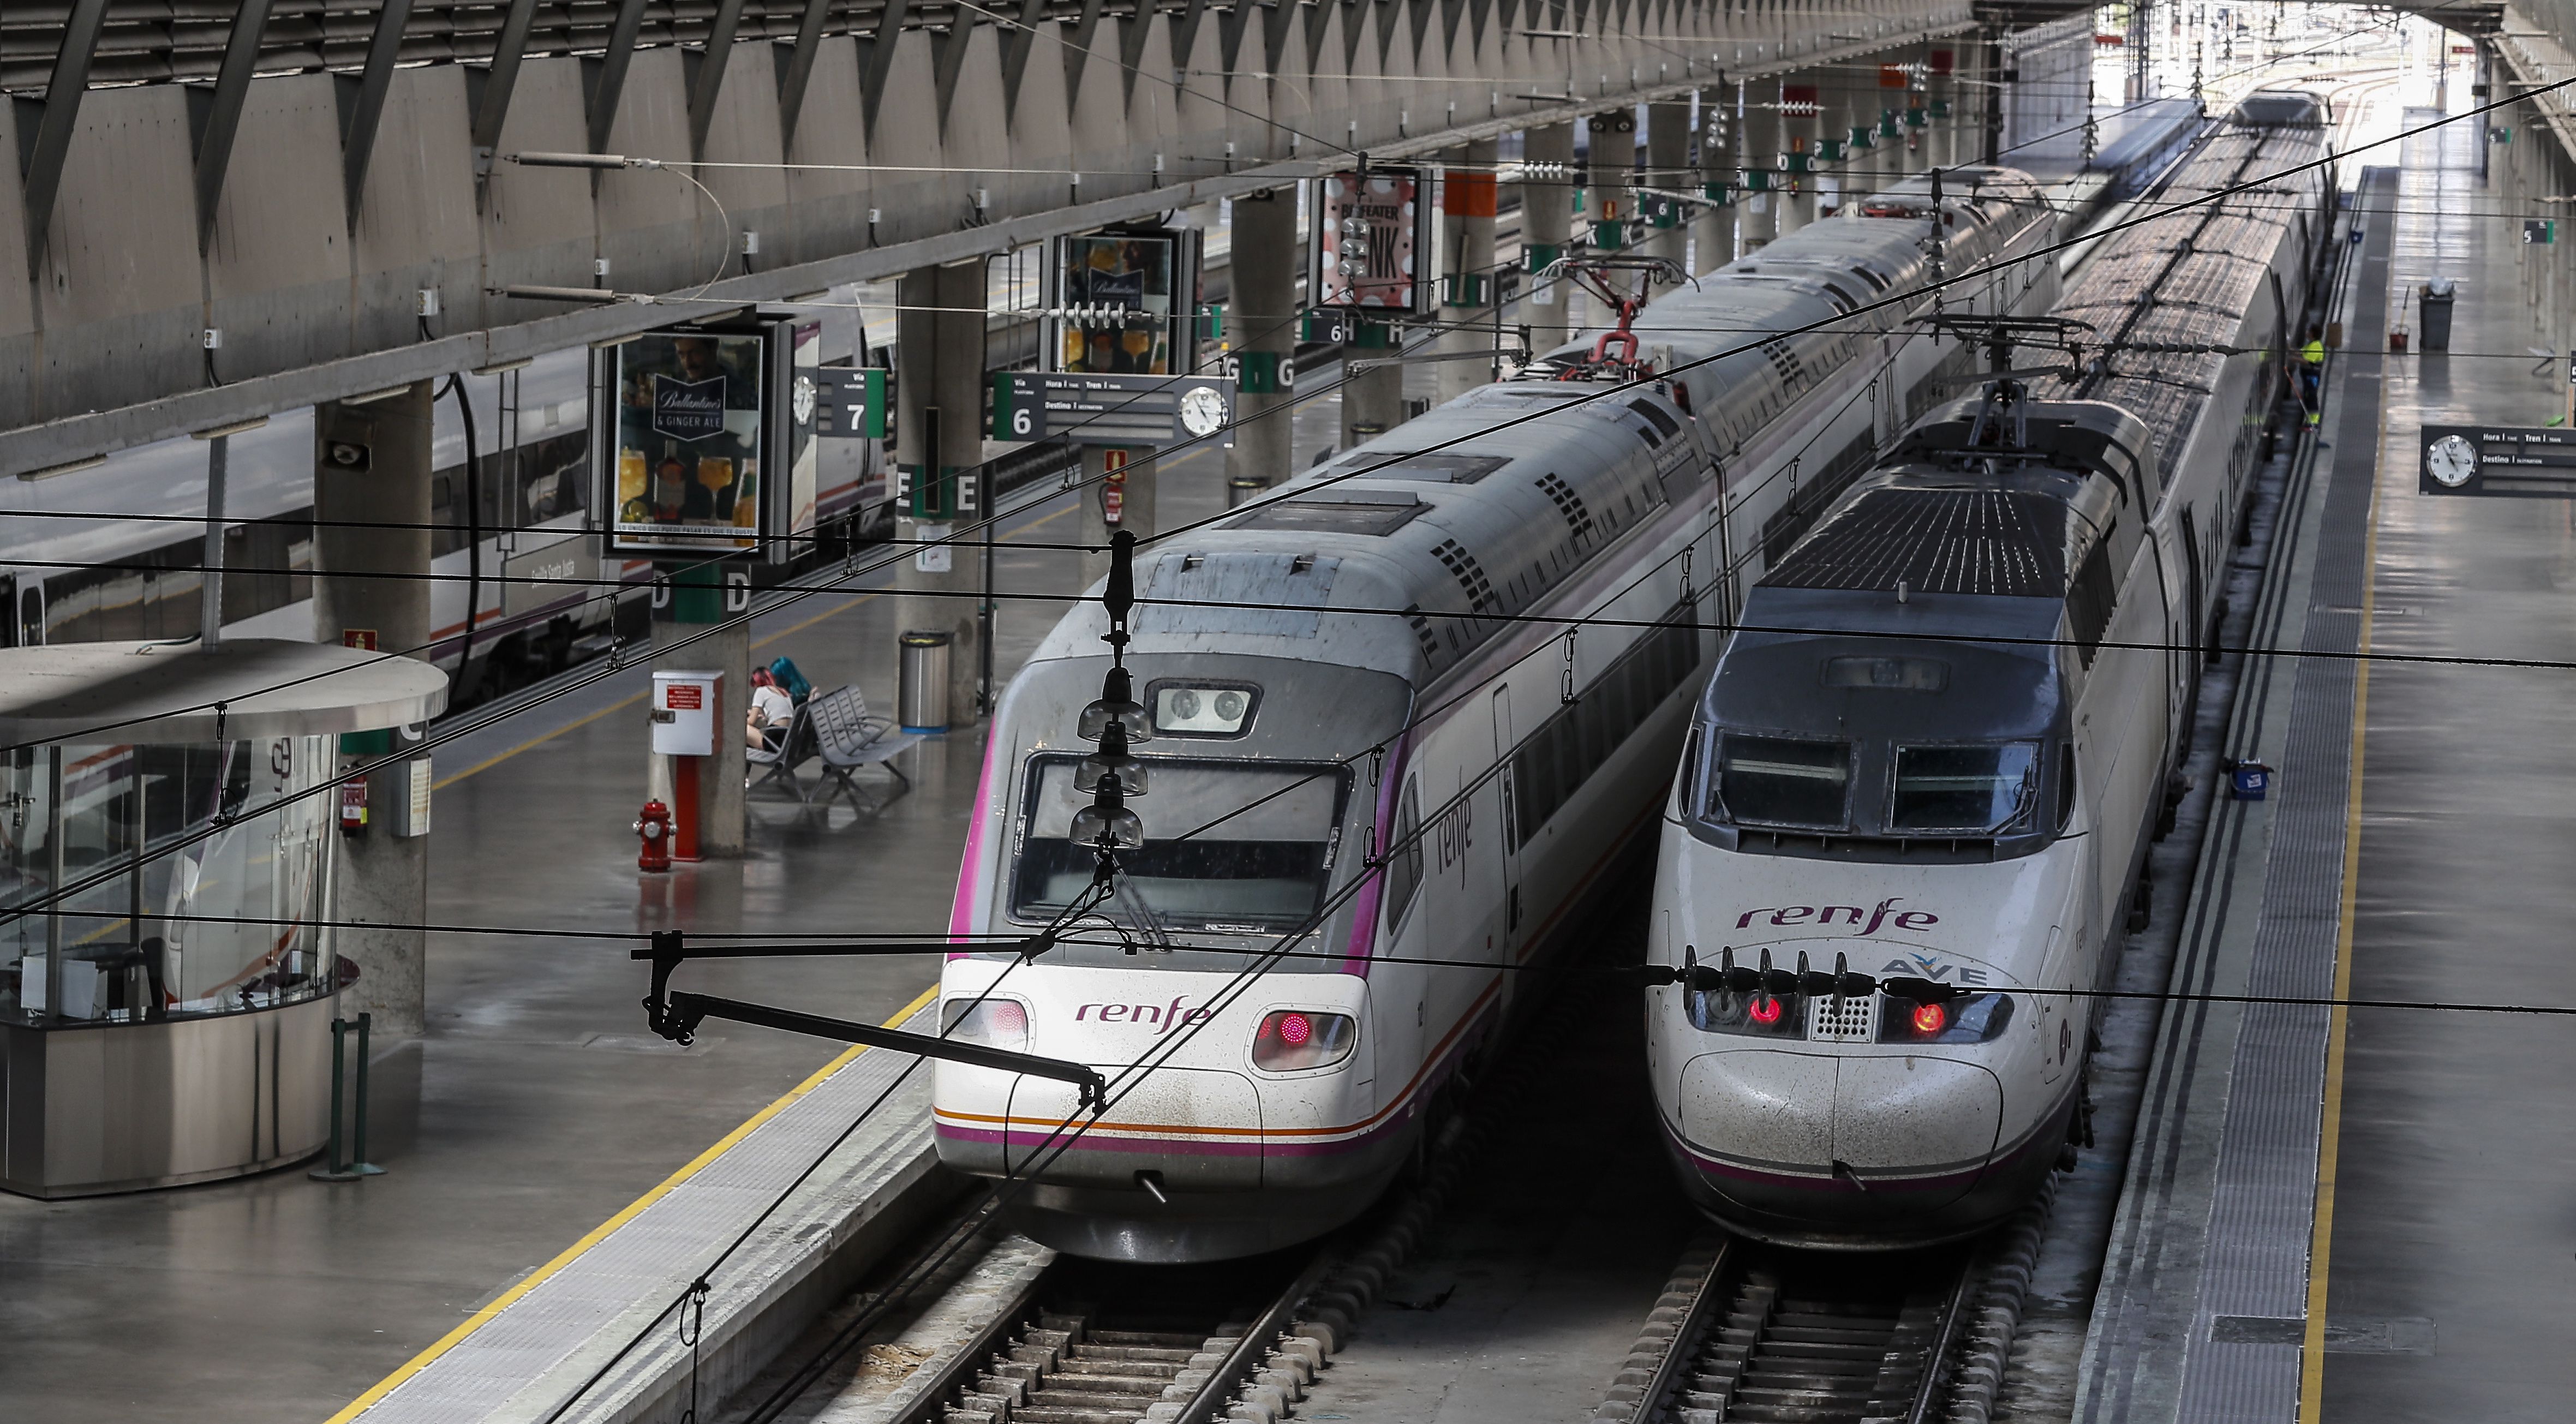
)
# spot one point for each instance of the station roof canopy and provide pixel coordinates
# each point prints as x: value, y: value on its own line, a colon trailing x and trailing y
x: 99, y: 693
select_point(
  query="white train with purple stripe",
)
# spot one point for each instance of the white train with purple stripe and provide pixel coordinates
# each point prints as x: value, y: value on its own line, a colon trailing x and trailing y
x: 1350, y: 679
x: 1947, y: 734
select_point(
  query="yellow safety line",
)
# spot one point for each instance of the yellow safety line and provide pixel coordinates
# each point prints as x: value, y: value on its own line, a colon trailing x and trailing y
x: 2312, y: 1353
x: 476, y: 1321
x: 490, y: 762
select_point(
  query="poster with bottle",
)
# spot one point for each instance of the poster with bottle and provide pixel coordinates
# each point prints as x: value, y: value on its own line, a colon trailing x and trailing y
x: 1122, y: 299
x: 688, y: 442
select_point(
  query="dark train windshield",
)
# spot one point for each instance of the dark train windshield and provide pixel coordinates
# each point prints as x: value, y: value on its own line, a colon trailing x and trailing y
x: 1230, y: 846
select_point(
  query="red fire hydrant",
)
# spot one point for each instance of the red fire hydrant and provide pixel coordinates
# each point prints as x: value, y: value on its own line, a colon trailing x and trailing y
x: 653, y: 828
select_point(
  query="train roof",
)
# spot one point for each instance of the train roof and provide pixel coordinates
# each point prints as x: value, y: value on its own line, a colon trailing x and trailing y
x: 1456, y: 534
x: 1958, y: 514
x: 2156, y: 291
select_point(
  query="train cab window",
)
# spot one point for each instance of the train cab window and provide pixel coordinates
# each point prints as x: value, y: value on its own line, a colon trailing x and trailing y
x: 1404, y: 856
x: 1967, y: 791
x: 1781, y: 781
x: 1230, y: 846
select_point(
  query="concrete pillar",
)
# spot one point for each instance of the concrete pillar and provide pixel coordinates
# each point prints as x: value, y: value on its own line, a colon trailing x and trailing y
x: 1610, y: 177
x: 1547, y: 224
x: 1857, y: 110
x: 380, y: 886
x: 1131, y: 496
x: 1668, y: 139
x: 1372, y: 398
x: 1467, y: 206
x: 1712, y: 230
x: 939, y: 349
x: 1263, y: 319
x: 1989, y: 96
x: 1758, y: 214
x: 1798, y: 133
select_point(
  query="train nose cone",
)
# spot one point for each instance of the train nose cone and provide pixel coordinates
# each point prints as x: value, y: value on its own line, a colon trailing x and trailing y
x: 1770, y: 1108
x: 1814, y: 1149
x: 1930, y: 1122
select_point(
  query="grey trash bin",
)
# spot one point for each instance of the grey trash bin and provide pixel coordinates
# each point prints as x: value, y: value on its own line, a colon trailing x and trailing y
x: 1243, y: 489
x: 2436, y: 302
x: 921, y: 698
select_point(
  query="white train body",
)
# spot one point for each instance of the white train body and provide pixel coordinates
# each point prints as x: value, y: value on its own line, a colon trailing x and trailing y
x: 73, y: 570
x: 1502, y: 764
x: 1941, y: 745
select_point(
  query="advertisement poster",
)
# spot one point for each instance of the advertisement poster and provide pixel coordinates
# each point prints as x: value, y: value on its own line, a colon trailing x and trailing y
x: 1373, y: 241
x: 688, y: 456
x: 1134, y: 274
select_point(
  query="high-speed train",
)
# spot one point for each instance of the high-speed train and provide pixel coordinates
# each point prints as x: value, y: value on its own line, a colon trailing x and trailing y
x: 75, y: 567
x: 1354, y: 754
x: 1943, y: 738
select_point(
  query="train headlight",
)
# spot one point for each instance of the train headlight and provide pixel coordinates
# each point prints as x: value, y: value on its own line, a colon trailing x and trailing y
x: 1294, y: 1039
x: 994, y: 1023
x: 1971, y: 1018
x: 1188, y: 711
x: 1753, y: 1011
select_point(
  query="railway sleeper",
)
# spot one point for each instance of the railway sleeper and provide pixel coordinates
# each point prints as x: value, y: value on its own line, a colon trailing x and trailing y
x: 1059, y: 1370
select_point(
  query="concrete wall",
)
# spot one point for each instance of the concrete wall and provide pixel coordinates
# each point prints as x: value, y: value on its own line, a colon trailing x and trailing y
x: 112, y: 318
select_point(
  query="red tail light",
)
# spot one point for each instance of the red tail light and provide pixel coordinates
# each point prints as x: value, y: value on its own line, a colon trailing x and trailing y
x: 1295, y: 1039
x: 1763, y: 1010
x: 1930, y: 1019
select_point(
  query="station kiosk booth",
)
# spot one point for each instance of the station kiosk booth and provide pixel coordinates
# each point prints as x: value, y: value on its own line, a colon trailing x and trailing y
x: 167, y: 844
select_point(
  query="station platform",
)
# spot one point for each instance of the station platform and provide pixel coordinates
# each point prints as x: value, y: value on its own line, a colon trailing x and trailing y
x: 2359, y: 1214
x: 555, y: 1172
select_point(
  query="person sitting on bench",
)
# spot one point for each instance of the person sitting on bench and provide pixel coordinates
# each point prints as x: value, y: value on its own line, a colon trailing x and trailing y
x: 764, y: 722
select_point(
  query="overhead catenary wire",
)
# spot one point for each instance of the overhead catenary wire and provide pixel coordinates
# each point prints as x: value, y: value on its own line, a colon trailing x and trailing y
x: 1983, y: 271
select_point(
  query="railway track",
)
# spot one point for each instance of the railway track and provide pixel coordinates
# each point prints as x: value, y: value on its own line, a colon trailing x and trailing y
x: 1097, y: 1343
x: 1750, y: 1332
x: 1800, y: 1338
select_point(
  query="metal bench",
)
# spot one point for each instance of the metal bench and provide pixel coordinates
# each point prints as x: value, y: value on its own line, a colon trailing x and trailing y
x: 796, y: 748
x: 848, y: 739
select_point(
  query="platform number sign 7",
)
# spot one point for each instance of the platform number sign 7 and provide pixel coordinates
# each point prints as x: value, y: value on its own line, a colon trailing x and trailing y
x: 851, y: 402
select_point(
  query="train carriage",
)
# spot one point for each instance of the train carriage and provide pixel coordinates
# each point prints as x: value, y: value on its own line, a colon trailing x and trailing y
x: 1944, y: 741
x: 1378, y: 737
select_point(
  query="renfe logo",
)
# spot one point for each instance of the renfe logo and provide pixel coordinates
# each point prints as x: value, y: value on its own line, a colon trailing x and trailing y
x: 1170, y: 1018
x: 1828, y: 914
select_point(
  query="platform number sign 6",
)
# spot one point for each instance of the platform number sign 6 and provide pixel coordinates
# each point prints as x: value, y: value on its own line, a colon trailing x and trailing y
x: 1023, y: 422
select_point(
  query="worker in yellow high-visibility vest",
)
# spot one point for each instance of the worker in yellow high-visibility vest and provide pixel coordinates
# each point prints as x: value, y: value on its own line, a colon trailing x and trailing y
x: 2312, y: 371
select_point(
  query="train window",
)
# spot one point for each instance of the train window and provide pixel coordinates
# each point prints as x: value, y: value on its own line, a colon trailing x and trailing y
x: 1972, y: 791
x: 1781, y: 781
x: 1230, y: 846
x: 1404, y: 856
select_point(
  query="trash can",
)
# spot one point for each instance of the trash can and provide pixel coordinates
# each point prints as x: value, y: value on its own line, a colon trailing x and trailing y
x: 2436, y: 302
x: 921, y: 698
x: 1242, y: 489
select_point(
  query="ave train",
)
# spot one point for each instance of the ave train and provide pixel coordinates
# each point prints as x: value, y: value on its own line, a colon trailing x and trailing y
x: 1359, y: 754
x: 1950, y: 726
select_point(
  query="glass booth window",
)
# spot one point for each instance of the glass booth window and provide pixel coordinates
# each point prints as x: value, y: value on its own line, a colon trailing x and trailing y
x: 113, y: 913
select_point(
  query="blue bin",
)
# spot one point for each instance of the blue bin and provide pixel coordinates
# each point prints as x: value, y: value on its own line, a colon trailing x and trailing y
x: 2248, y: 780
